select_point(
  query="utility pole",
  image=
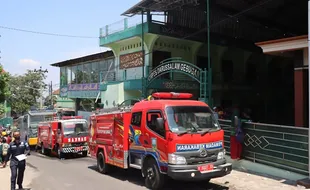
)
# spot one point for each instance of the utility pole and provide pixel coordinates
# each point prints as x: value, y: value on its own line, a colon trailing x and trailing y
x: 52, y: 93
x: 41, y: 93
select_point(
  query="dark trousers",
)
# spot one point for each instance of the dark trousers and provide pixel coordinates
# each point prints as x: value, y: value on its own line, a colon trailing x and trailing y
x: 17, y: 171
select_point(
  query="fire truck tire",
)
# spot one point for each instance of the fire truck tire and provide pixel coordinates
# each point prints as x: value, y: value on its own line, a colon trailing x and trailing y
x: 59, y: 153
x: 101, y: 165
x: 84, y: 153
x: 42, y: 150
x: 153, y: 179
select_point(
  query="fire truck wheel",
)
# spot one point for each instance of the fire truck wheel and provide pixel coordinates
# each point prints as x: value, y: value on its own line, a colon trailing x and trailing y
x: 84, y: 153
x: 101, y: 165
x: 59, y: 153
x: 153, y: 178
x: 42, y: 150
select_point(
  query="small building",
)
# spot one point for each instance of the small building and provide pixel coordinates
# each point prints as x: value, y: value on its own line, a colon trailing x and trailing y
x: 63, y: 102
x: 80, y: 79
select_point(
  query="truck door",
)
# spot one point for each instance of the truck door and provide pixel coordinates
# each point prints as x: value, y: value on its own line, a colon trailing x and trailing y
x: 119, y: 141
x: 156, y: 137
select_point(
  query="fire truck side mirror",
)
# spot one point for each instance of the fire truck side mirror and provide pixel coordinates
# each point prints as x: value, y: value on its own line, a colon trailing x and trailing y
x: 236, y: 121
x: 216, y: 115
x: 159, y: 123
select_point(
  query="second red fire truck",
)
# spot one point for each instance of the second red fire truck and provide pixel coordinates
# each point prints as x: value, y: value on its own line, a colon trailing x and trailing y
x: 65, y: 136
x: 168, y: 135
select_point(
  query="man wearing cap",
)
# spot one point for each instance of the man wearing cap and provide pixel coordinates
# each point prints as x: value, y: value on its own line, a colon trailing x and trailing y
x: 17, y: 147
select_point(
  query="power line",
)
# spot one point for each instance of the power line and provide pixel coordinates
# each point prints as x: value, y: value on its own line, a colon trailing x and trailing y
x: 46, y: 33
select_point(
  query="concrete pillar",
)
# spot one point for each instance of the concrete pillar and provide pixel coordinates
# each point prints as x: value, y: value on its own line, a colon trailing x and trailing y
x: 300, y: 81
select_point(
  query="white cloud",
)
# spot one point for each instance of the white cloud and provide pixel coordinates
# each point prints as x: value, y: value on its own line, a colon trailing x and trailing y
x: 29, y: 63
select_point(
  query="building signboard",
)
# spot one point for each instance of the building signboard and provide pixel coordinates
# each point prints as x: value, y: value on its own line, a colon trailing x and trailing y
x: 131, y: 60
x: 84, y: 87
x: 83, y: 94
x: 175, y: 66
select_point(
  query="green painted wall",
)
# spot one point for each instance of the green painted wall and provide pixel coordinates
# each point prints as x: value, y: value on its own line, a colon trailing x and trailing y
x: 65, y: 102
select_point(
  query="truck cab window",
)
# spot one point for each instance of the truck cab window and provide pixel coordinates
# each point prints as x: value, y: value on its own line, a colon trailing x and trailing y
x: 136, y: 119
x: 151, y: 122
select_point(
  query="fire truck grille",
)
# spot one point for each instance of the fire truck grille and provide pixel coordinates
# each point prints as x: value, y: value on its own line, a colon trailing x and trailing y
x: 193, y: 158
x: 78, y: 144
x: 199, y: 160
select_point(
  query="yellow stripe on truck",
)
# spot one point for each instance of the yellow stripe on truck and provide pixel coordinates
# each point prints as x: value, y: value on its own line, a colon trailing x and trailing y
x: 33, y: 141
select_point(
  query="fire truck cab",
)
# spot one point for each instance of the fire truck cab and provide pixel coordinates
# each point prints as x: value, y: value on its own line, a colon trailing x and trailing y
x: 65, y: 136
x: 166, y: 135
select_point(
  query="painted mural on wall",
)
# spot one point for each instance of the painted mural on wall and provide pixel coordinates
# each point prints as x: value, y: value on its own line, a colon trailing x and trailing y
x: 131, y: 60
x: 63, y: 91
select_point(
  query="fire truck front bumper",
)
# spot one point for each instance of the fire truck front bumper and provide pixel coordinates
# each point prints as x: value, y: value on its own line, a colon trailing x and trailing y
x: 199, y: 172
x: 78, y: 149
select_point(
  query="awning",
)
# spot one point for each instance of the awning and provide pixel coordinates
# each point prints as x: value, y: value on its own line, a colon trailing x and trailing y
x: 157, y: 6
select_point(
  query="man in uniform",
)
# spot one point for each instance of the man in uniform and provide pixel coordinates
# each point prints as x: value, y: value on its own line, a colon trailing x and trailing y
x: 17, y: 147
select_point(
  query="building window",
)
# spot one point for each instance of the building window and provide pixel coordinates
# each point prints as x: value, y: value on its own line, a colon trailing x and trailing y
x: 74, y: 74
x: 79, y: 74
x: 87, y: 72
x: 69, y: 75
x: 63, y: 76
x: 94, y: 72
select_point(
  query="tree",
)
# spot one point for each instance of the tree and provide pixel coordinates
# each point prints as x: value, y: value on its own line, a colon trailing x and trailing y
x: 47, y: 101
x: 4, y: 88
x: 26, y: 90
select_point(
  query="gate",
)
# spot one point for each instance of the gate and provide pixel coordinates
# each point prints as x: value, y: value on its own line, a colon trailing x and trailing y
x: 177, y: 65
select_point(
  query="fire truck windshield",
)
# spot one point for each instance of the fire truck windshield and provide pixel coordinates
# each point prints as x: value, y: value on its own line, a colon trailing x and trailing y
x: 191, y: 118
x: 33, y: 130
x: 74, y: 128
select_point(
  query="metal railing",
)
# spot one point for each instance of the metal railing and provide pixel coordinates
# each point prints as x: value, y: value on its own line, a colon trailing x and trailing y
x: 284, y: 147
x: 121, y: 25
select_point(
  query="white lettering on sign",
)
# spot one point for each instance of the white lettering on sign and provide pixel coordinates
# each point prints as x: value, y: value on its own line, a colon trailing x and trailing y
x: 175, y: 66
x: 196, y: 147
x: 106, y: 132
x: 77, y: 139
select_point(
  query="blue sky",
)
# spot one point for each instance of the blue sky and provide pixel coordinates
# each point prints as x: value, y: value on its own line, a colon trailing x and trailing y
x: 21, y: 51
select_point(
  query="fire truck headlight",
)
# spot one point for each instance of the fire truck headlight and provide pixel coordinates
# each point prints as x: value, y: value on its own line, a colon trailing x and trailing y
x: 176, y: 159
x: 86, y: 144
x: 66, y: 145
x: 221, y: 155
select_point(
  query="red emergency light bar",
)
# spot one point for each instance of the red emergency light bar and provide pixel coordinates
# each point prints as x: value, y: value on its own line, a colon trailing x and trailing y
x: 71, y: 117
x: 172, y: 95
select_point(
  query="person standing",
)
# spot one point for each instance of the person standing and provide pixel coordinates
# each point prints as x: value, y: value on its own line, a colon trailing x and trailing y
x: 17, y: 147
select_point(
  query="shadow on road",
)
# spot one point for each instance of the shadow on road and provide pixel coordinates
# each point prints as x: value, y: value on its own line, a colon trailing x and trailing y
x: 281, y: 180
x: 134, y: 176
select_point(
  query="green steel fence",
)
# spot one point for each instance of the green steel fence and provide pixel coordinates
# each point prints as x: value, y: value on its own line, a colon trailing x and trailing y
x: 284, y: 147
x: 6, y: 120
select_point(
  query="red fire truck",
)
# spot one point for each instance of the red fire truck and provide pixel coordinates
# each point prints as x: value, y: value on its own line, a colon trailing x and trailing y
x: 66, y: 136
x: 166, y: 135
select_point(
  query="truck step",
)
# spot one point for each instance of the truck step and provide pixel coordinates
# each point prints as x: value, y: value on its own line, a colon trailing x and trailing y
x: 135, y: 166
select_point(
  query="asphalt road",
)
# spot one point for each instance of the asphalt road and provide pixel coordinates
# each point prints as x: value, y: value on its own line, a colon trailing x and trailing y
x: 81, y: 174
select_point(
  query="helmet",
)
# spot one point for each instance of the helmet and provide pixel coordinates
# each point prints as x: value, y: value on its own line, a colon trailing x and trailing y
x: 3, y: 133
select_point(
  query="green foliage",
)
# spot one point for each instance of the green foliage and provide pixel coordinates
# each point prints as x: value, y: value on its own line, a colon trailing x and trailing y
x: 26, y: 90
x: 47, y: 101
x: 4, y: 88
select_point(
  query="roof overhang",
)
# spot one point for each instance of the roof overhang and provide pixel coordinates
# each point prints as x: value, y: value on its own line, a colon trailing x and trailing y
x: 157, y: 6
x: 284, y: 44
x: 92, y: 57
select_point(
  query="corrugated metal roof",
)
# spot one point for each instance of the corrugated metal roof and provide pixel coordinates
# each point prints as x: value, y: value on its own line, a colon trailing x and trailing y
x: 102, y: 55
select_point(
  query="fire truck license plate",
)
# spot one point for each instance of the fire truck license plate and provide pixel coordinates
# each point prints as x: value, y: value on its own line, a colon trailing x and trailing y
x: 78, y: 148
x: 205, y: 168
